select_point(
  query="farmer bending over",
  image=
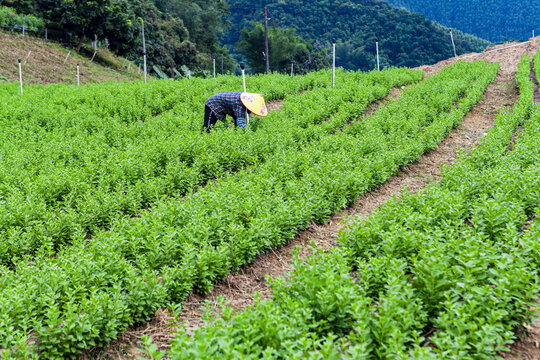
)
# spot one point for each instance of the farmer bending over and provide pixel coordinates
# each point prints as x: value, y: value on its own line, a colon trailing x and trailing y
x: 235, y: 104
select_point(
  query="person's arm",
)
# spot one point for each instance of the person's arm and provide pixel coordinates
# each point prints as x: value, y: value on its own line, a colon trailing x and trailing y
x: 240, y: 121
x: 240, y: 114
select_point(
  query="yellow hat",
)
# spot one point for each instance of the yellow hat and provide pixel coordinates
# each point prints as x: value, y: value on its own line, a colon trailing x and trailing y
x: 254, y: 103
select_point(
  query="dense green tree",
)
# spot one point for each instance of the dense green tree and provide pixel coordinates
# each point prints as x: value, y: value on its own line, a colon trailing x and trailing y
x: 87, y: 18
x: 205, y: 20
x: 285, y: 47
x: 21, y: 6
x: 167, y: 39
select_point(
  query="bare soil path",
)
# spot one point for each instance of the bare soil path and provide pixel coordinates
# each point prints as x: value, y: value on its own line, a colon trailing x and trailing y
x: 238, y: 289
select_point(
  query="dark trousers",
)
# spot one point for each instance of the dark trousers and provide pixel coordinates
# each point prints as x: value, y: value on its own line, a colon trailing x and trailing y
x: 210, y: 119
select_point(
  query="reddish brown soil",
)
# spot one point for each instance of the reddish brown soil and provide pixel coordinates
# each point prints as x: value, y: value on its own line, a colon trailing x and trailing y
x: 238, y: 289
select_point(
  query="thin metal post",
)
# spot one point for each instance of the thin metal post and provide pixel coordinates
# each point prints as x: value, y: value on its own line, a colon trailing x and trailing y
x: 23, y: 28
x: 453, y: 44
x: 333, y: 62
x: 144, y: 50
x: 533, y: 33
x: 378, y: 63
x: 46, y: 34
x: 20, y: 74
x: 292, y: 69
x: 243, y: 67
x: 266, y: 53
x: 92, y: 59
x: 78, y: 76
x: 214, y: 62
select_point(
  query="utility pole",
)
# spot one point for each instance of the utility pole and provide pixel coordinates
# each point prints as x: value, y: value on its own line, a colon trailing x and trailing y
x: 266, y: 54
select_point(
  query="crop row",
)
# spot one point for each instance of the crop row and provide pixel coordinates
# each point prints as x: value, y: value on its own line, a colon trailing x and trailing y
x: 88, y: 293
x: 536, y: 65
x: 67, y: 176
x: 448, y: 273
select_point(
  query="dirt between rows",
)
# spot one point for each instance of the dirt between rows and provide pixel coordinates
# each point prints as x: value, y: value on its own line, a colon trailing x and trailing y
x: 238, y: 289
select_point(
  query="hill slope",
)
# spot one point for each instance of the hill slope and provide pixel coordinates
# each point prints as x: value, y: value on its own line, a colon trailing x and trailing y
x: 405, y: 39
x: 45, y: 63
x: 495, y: 20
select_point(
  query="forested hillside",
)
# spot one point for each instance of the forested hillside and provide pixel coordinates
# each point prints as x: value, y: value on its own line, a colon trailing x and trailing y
x: 178, y: 32
x: 495, y: 20
x: 405, y: 39
x: 191, y: 32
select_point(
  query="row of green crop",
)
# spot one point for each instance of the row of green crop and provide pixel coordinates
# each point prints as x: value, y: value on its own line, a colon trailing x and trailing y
x: 448, y: 273
x: 536, y: 65
x: 69, y: 181
x: 88, y: 293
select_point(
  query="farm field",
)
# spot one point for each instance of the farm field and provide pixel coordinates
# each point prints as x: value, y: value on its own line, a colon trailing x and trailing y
x: 448, y: 272
x: 114, y: 205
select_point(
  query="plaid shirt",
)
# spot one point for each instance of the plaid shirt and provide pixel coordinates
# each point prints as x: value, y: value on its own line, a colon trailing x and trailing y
x: 227, y: 103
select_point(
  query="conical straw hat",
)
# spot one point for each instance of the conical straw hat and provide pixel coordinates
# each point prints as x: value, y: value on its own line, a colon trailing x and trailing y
x: 254, y: 103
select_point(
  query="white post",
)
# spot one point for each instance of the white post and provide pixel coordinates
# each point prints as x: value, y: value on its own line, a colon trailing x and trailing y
x: 78, y: 76
x: 453, y: 44
x: 46, y: 34
x: 533, y: 33
x: 292, y: 69
x: 92, y: 59
x: 144, y: 50
x: 333, y: 62
x: 214, y: 62
x: 23, y: 28
x: 243, y: 67
x: 378, y: 63
x: 20, y: 74
x: 69, y: 53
